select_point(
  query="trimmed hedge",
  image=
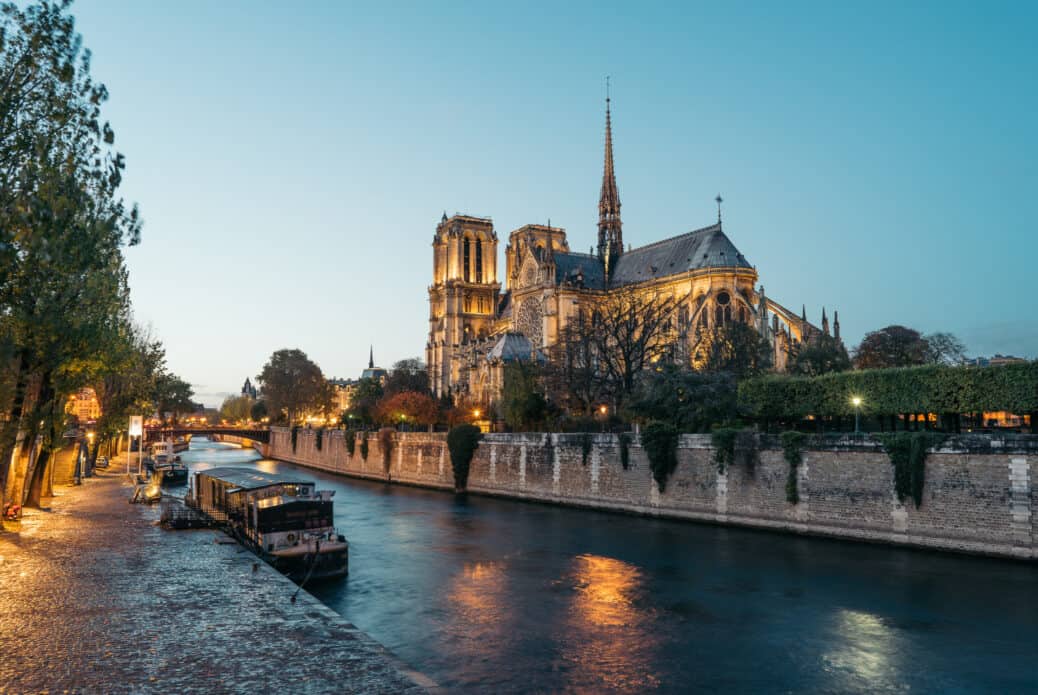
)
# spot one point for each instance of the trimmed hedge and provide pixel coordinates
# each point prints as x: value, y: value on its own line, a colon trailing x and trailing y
x: 930, y: 389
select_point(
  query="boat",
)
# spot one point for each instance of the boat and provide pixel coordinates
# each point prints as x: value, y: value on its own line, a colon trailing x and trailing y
x: 280, y: 517
x: 172, y: 473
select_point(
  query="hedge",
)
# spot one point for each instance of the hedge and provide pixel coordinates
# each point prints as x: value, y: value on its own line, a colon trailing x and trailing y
x: 930, y: 389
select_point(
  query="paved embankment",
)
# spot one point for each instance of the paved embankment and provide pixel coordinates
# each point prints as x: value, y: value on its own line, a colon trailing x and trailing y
x: 96, y: 598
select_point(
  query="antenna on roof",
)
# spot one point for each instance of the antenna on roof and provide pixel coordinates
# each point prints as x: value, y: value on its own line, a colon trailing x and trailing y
x: 719, y: 200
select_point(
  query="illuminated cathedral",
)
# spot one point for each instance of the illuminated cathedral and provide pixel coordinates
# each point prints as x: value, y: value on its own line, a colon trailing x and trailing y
x: 476, y: 325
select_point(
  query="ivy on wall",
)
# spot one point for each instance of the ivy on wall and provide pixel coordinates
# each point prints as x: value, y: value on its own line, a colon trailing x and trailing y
x: 625, y: 449
x: 585, y: 447
x: 385, y: 444
x: 320, y: 438
x: 364, y: 447
x: 462, y: 442
x: 295, y: 437
x: 351, y: 441
x: 660, y: 441
x: 907, y: 452
x: 792, y: 445
x: 723, y: 439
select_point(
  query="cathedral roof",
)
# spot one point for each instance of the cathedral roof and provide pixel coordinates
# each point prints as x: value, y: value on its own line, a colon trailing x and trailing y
x: 708, y: 247
x: 579, y: 268
x: 511, y: 347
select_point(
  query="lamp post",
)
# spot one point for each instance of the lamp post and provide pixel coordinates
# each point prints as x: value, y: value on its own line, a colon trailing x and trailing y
x: 856, y: 402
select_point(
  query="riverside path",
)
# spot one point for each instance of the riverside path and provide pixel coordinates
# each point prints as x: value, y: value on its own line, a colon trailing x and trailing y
x: 96, y: 598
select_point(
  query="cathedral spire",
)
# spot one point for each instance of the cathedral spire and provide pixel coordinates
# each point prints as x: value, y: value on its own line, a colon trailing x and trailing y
x: 371, y: 358
x: 610, y: 228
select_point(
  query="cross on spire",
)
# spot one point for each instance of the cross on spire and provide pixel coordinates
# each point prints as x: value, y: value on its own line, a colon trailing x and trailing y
x: 719, y: 200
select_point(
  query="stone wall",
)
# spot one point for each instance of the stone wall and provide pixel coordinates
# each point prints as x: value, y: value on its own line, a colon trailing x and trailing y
x: 981, y: 495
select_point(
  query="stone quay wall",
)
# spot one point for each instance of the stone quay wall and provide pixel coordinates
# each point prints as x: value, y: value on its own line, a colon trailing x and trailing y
x: 980, y: 494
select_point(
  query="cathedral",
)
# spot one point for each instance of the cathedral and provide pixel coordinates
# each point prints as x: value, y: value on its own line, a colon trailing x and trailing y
x: 476, y: 326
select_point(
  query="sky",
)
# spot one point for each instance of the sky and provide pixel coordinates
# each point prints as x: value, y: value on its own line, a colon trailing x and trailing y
x: 291, y: 160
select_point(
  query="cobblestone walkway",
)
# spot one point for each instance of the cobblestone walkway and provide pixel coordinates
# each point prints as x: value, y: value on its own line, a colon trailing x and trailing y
x: 96, y: 598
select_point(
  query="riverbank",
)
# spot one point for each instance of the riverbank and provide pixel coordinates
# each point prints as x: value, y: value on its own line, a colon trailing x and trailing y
x: 979, y: 497
x: 95, y: 597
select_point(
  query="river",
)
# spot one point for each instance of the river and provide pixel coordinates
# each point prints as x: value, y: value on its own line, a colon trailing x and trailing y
x: 493, y: 595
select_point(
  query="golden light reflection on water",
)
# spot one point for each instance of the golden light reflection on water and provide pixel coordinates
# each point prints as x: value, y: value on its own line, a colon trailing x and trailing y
x: 610, y: 641
x: 479, y: 593
x: 867, y: 648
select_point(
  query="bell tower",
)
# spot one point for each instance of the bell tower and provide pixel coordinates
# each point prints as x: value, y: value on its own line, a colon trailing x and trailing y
x: 463, y: 296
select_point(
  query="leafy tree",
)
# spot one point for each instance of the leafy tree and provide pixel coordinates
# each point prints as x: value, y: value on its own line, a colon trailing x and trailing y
x: 407, y: 406
x: 688, y: 400
x: 258, y: 411
x: 293, y: 385
x: 572, y: 376
x: 522, y: 400
x: 736, y: 348
x: 173, y: 395
x: 821, y: 355
x: 236, y: 408
x: 407, y: 375
x: 944, y: 348
x: 365, y: 397
x: 893, y: 346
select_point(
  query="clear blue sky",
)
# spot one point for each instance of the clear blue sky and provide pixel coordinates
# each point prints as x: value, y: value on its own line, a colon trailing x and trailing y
x: 291, y: 161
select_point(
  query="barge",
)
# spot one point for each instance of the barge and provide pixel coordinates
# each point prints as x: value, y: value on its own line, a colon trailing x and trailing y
x: 280, y: 517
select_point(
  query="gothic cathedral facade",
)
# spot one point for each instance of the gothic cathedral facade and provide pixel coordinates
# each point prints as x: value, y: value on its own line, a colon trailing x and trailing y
x: 476, y: 327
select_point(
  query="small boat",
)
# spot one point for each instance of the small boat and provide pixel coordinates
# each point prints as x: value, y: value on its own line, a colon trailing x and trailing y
x: 173, y: 472
x: 280, y: 517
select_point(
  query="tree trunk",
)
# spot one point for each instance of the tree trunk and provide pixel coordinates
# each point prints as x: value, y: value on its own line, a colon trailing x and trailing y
x: 92, y: 458
x: 34, y: 488
x: 9, y: 432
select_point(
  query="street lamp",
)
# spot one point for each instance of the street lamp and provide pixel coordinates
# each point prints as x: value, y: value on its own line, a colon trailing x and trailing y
x: 856, y: 402
x: 475, y: 413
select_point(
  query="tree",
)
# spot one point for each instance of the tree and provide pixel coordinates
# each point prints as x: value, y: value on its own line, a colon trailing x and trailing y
x: 407, y: 406
x: 293, y: 385
x: 571, y: 375
x: 407, y: 375
x: 364, y: 399
x: 522, y: 400
x: 236, y: 408
x: 736, y: 348
x: 62, y: 280
x: 173, y: 395
x: 893, y: 346
x: 821, y: 355
x: 691, y: 401
x: 258, y: 411
x: 944, y: 348
x: 631, y: 330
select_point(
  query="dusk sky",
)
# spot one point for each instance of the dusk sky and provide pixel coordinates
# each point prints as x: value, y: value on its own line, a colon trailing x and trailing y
x: 291, y: 161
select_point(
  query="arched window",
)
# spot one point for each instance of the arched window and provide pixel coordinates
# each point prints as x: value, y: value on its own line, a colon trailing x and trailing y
x: 467, y: 262
x: 479, y: 260
x: 742, y: 314
x: 719, y: 316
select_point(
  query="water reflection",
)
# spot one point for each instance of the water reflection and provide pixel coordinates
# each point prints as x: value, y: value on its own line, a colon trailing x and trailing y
x: 865, y: 650
x: 610, y: 638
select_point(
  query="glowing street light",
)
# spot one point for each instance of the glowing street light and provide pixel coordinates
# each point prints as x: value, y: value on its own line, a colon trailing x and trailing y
x: 475, y: 413
x: 856, y: 402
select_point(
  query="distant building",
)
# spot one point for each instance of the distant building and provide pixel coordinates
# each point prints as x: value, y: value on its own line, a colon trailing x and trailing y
x: 342, y: 393
x: 84, y: 405
x: 372, y: 372
x: 248, y: 390
x: 996, y: 361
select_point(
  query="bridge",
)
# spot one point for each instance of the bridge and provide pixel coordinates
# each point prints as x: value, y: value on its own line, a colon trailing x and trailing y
x: 154, y: 434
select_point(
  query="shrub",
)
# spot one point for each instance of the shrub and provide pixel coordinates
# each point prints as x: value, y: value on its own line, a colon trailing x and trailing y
x: 462, y: 442
x: 907, y: 452
x: 351, y: 441
x: 660, y: 441
x: 585, y: 447
x: 792, y: 442
x: 385, y: 444
x: 364, y: 446
x: 625, y: 453
x: 723, y: 439
x: 320, y: 439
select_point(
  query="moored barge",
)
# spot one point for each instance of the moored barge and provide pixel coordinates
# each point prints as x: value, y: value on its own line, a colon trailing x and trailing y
x: 280, y: 517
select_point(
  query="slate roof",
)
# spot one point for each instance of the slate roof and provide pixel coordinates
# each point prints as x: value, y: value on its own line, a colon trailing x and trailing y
x: 511, y: 347
x: 249, y: 479
x: 708, y: 247
x: 572, y: 267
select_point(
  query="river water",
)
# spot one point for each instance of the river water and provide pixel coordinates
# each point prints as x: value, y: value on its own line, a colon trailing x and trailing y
x: 491, y: 595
